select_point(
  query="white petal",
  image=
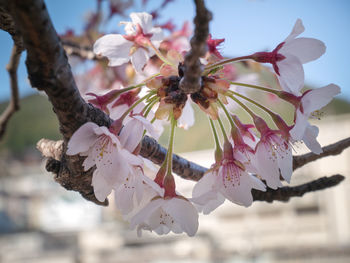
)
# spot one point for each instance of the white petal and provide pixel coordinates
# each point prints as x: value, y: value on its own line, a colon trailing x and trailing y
x: 205, y: 193
x: 291, y: 74
x: 146, y: 212
x: 296, y: 31
x: 305, y: 49
x: 143, y: 19
x: 89, y: 162
x: 318, y: 98
x: 139, y: 59
x: 154, y: 186
x: 157, y: 36
x: 187, y: 117
x: 285, y: 163
x: 117, y: 112
x: 147, y: 125
x: 111, y: 165
x: 301, y: 122
x: 82, y: 139
x: 242, y: 194
x: 124, y: 198
x: 115, y: 47
x: 131, y: 134
x: 205, y: 184
x: 101, y: 188
x: 310, y: 141
x: 183, y: 213
x: 130, y: 158
x: 267, y: 166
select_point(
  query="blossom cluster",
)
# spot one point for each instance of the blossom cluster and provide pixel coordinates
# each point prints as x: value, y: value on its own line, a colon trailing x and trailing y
x: 253, y: 155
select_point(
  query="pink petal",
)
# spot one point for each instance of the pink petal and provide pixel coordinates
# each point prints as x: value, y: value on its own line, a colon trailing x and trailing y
x: 101, y: 188
x: 115, y: 47
x: 296, y: 31
x: 241, y: 194
x: 187, y: 117
x: 143, y: 19
x: 305, y: 49
x: 184, y: 213
x: 318, y: 98
x: 285, y: 163
x: 291, y: 74
x: 131, y: 134
x: 147, y: 125
x: 157, y: 36
x: 310, y: 141
x: 139, y: 59
x: 146, y: 212
x: 301, y: 122
x: 82, y: 139
x: 267, y: 166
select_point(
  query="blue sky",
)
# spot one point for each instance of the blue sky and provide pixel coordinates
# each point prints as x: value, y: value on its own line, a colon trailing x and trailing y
x: 247, y: 25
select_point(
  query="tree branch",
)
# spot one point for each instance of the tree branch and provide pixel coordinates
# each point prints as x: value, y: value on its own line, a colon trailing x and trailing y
x: 83, y: 52
x: 332, y: 149
x: 49, y: 71
x: 7, y: 24
x: 192, y: 81
x: 285, y: 193
x: 13, y: 105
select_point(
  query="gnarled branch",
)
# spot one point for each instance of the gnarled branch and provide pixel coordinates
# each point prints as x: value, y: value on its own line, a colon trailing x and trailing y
x: 191, y: 81
x: 286, y: 192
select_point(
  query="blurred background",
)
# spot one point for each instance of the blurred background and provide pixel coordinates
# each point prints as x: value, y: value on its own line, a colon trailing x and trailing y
x: 42, y: 222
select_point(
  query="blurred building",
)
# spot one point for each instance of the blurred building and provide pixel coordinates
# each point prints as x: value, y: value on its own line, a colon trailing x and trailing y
x: 42, y: 222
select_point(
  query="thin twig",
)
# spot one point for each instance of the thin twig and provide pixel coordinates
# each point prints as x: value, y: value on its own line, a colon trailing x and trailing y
x: 83, y: 52
x: 191, y: 81
x: 13, y: 105
x: 285, y: 193
x: 332, y: 149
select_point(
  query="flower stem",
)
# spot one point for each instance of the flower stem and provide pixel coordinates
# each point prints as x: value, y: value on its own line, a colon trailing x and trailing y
x: 169, y: 181
x: 271, y: 113
x: 171, y: 144
x: 223, y: 129
x: 226, y: 61
x: 150, y: 105
x: 233, y: 126
x: 215, y: 134
x: 251, y: 113
x: 159, y: 54
x: 136, y: 103
x: 276, y: 92
x: 148, y: 79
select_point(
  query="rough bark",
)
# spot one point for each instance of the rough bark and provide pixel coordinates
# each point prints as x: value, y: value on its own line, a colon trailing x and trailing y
x: 192, y: 81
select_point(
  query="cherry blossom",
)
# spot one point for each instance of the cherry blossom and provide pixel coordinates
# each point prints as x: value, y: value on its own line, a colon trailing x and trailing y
x: 163, y: 215
x: 255, y: 155
x: 132, y: 132
x: 103, y: 149
x: 273, y: 155
x: 131, y: 194
x: 230, y: 180
x: 287, y: 58
x: 136, y: 45
x: 309, y: 103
